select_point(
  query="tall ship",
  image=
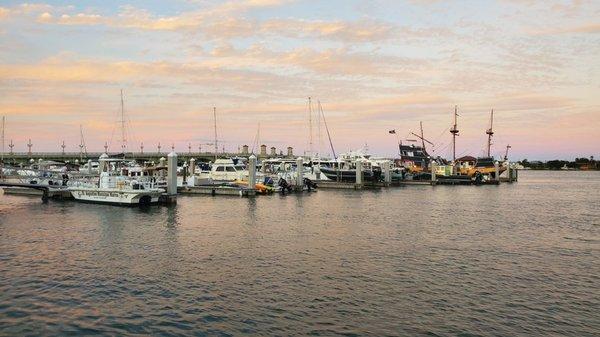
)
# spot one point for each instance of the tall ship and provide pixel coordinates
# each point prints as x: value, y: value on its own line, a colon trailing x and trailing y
x: 485, y: 165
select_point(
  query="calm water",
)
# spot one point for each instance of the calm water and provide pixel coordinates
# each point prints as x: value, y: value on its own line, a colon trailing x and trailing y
x: 520, y: 259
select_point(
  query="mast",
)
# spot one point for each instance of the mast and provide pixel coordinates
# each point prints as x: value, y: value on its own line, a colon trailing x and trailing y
x: 310, y: 128
x: 490, y: 133
x: 2, y: 158
x: 215, y: 126
x: 319, y: 131
x: 454, y: 132
x: 82, y: 147
x: 327, y: 129
x: 422, y: 137
x: 123, y: 139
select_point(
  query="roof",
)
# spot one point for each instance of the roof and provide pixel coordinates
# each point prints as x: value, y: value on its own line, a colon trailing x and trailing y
x: 466, y: 158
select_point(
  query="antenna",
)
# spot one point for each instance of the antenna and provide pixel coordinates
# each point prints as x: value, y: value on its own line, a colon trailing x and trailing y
x: 454, y: 132
x: 123, y: 139
x: 215, y: 124
x: 490, y: 133
x: 310, y: 128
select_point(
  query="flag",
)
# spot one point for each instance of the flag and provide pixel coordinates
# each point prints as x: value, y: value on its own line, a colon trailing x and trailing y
x: 392, y: 132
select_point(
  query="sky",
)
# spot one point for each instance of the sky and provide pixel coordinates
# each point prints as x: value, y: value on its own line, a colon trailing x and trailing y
x: 373, y: 65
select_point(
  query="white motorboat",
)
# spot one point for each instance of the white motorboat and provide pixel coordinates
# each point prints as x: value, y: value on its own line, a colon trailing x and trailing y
x: 117, y: 187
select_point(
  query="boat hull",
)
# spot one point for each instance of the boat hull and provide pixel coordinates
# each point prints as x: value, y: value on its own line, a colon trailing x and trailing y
x: 115, y: 196
x: 348, y: 175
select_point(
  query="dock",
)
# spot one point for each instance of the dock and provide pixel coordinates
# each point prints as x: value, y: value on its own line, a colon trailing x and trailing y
x: 215, y: 190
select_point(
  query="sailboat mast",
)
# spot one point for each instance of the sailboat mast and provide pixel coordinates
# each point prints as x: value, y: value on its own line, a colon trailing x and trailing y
x: 82, y: 143
x: 490, y: 133
x: 310, y: 128
x: 3, y: 125
x: 327, y: 129
x: 123, y: 140
x: 454, y: 132
x: 319, y: 131
x: 422, y: 137
x: 215, y: 127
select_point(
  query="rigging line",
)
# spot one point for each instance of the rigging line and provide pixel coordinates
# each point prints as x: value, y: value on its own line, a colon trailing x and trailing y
x: 327, y: 129
x: 437, y: 139
x: 111, y: 137
x: 129, y: 131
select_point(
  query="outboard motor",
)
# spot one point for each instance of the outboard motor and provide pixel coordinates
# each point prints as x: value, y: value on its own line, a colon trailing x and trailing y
x: 478, y: 178
x: 284, y: 185
x: 309, y: 184
x: 377, y: 174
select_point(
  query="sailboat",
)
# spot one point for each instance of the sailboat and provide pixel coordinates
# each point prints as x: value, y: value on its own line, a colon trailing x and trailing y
x: 118, y: 183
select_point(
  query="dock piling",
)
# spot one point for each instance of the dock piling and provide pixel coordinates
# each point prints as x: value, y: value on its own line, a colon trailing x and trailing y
x: 252, y: 171
x: 172, y: 173
x: 300, y: 173
x: 192, y: 167
x: 433, y: 171
x: 359, y: 174
x: 387, y: 174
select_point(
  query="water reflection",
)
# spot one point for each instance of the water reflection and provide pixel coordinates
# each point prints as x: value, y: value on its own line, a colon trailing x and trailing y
x: 408, y: 261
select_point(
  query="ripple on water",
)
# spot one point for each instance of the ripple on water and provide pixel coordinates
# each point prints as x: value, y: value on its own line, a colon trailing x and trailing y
x: 519, y: 259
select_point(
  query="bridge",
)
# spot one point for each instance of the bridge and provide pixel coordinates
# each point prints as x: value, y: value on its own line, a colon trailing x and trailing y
x: 72, y: 157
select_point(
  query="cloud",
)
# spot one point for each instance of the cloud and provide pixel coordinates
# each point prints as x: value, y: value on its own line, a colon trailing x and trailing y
x: 590, y: 28
x: 3, y: 13
x: 336, y: 30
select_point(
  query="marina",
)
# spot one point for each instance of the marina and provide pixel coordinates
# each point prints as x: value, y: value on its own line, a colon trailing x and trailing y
x: 225, y: 168
x: 126, y: 179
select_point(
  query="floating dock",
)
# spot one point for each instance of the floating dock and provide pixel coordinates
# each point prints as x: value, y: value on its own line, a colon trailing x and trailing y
x: 329, y: 184
x: 215, y: 190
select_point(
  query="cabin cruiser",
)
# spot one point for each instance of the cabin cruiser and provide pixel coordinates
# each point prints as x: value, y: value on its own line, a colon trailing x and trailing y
x: 344, y: 168
x: 224, y: 170
x: 118, y: 184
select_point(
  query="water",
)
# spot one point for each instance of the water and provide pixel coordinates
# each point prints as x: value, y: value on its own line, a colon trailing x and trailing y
x: 515, y: 259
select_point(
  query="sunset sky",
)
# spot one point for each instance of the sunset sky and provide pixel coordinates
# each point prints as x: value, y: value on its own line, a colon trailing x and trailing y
x: 374, y: 65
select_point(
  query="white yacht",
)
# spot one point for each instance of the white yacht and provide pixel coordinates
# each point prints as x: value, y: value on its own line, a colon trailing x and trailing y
x: 225, y: 170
